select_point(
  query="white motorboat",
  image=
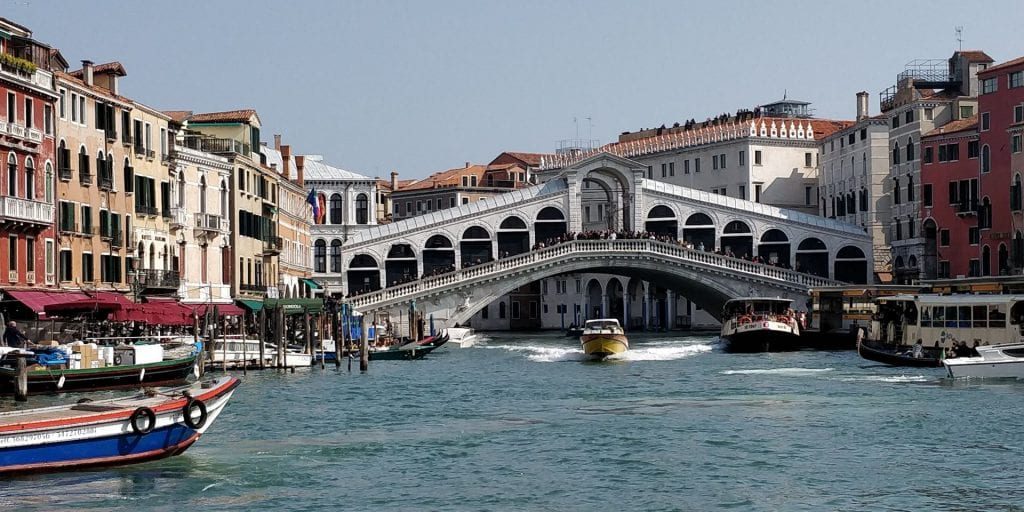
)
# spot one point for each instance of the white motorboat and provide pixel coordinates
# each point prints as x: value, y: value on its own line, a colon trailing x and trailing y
x: 1004, y: 361
x: 234, y: 351
x: 462, y: 337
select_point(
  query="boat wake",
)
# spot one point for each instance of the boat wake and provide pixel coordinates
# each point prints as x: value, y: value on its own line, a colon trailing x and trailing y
x: 550, y: 354
x: 778, y: 371
x: 889, y: 378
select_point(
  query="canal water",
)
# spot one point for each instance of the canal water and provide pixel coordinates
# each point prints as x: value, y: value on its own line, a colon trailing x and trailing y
x: 523, y: 423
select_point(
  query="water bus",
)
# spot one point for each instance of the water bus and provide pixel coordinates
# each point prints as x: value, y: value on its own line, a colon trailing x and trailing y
x: 759, y: 324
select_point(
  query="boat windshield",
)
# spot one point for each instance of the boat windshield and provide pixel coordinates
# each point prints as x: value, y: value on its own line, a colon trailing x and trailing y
x: 601, y: 324
x: 756, y: 307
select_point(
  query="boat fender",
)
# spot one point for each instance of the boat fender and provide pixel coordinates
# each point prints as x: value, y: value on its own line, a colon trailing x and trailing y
x: 142, y: 374
x: 150, y: 421
x: 187, y: 413
x: 117, y: 359
x: 60, y: 382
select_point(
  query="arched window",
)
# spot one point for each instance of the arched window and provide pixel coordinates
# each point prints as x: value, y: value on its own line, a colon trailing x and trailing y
x: 896, y: 153
x: 12, y: 175
x: 320, y: 256
x: 83, y: 163
x: 335, y: 255
x: 362, y: 209
x: 30, y: 178
x: 336, y: 213
x: 100, y: 162
x: 910, y: 150
x: 48, y: 185
x: 910, y: 188
x: 986, y: 159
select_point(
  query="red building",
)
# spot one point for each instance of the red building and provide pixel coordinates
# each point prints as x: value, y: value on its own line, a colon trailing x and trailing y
x: 27, y: 243
x: 1000, y: 121
x: 949, y: 198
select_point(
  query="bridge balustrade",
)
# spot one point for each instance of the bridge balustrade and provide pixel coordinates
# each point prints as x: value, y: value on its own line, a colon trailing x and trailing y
x: 589, y: 247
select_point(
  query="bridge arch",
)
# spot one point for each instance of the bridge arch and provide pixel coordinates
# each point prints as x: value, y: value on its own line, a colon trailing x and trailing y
x: 550, y: 223
x: 438, y: 255
x: 400, y: 265
x: 851, y: 265
x: 662, y: 220
x: 774, y: 247
x: 475, y: 246
x: 700, y: 231
x: 812, y: 257
x: 604, y: 191
x: 363, y: 274
x: 513, y: 236
x: 737, y: 238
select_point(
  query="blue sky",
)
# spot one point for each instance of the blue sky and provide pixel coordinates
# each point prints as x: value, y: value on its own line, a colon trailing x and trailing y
x: 428, y: 85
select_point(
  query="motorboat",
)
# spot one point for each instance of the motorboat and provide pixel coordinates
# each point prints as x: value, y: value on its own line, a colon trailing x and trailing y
x: 462, y: 337
x: 992, y: 362
x: 151, y: 425
x: 603, y: 337
x: 899, y: 355
x: 759, y: 324
x: 237, y: 351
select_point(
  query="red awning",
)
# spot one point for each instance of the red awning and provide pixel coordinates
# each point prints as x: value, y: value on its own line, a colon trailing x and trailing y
x: 100, y: 302
x: 222, y: 309
x: 38, y: 300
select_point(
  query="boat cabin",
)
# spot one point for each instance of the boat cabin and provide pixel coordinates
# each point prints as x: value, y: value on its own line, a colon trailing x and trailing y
x: 602, y: 325
x: 757, y: 307
x: 941, y: 320
x: 846, y: 308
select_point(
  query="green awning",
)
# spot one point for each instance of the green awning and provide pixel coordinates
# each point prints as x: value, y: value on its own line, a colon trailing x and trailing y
x: 253, y: 305
x: 313, y: 285
x: 295, y: 306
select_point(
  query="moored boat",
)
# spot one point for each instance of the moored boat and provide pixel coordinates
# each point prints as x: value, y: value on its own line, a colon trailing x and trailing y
x: 899, y: 355
x: 603, y: 337
x: 759, y: 324
x: 992, y: 362
x: 117, y: 431
x: 462, y: 337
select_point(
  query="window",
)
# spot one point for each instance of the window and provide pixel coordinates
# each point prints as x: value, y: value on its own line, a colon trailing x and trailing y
x: 48, y: 183
x: 972, y: 149
x: 714, y: 162
x: 944, y: 237
x: 696, y: 165
x: 28, y: 113
x: 12, y: 260
x: 335, y: 209
x: 757, y: 193
x: 30, y: 178
x: 465, y: 181
x: 149, y: 137
x: 66, y: 265
x: 61, y: 103
x: 985, y: 121
x: 896, y: 154
x: 909, y: 116
x: 501, y: 310
x: 1015, y: 143
x: 853, y: 138
x: 515, y: 310
x: 807, y: 194
x: 12, y: 175
x: 48, y: 119
x: 896, y: 121
x: 743, y: 158
x: 807, y: 159
x: 664, y: 170
x: 721, y: 160
x: 863, y: 133
x: 74, y: 107
x: 686, y: 167
x: 1015, y: 79
x: 81, y: 110
x: 899, y: 229
x: 927, y: 155
x: 1018, y: 114
x: 988, y: 85
x: 966, y: 111
x: 986, y: 159
x: 910, y: 151
x: 48, y: 255
x: 485, y: 312
x: 451, y: 202
x: 335, y: 255
x: 926, y: 192
x: 87, y: 269
x: 757, y: 157
x: 12, y: 106
x: 650, y: 172
x: 896, y: 191
x: 163, y: 143
x: 928, y: 114
x: 465, y: 200
x: 472, y: 181
x: 671, y: 169
x: 743, y: 192
x: 863, y: 200
x: 973, y: 234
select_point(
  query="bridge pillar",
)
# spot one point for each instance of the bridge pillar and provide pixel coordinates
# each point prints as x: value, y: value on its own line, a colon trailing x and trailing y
x: 670, y: 309
x: 604, y: 304
x: 635, y: 201
x: 574, y: 208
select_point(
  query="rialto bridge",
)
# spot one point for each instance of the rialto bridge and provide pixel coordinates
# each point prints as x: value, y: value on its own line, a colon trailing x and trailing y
x: 461, y: 259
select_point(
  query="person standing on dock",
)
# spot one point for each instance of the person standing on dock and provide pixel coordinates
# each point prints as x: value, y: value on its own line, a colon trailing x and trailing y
x: 13, y: 337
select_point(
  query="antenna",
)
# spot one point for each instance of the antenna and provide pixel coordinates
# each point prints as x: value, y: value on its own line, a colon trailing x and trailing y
x: 590, y: 128
x: 576, y: 122
x: 960, y: 36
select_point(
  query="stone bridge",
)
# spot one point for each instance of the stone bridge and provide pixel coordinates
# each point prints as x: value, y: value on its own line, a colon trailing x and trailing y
x: 461, y: 259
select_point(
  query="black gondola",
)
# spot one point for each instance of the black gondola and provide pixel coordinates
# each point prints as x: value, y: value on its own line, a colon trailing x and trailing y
x: 898, y: 355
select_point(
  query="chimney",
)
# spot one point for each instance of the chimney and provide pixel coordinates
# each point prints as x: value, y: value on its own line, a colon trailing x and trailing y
x: 87, y: 72
x: 862, y: 105
x: 394, y: 181
x: 277, y: 141
x: 467, y: 165
x: 300, y: 163
x: 286, y: 153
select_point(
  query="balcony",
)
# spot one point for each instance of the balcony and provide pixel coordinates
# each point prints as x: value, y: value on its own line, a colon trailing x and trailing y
x: 179, y: 217
x: 163, y: 279
x: 16, y: 130
x: 146, y: 210
x: 35, y: 135
x: 139, y: 149
x: 255, y: 288
x: 30, y: 277
x: 209, y: 222
x: 127, y: 139
x: 967, y: 208
x: 116, y: 240
x: 272, y: 246
x: 12, y: 276
x: 17, y: 210
x: 111, y: 135
x: 85, y: 178
x: 106, y: 183
x: 68, y: 229
x: 214, y: 145
x: 150, y: 154
x: 64, y: 173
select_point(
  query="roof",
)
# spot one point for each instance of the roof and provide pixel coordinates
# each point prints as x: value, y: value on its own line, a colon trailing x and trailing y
x: 531, y: 159
x: 178, y: 116
x: 313, y: 168
x: 16, y: 25
x: 383, y: 184
x: 109, y: 67
x: 94, y: 88
x: 449, y: 178
x: 975, y: 55
x: 999, y: 67
x: 967, y: 123
x: 228, y: 116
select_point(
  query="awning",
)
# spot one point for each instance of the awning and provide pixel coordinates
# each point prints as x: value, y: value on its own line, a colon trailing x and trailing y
x: 294, y: 306
x: 37, y: 300
x: 253, y: 305
x: 222, y: 309
x: 313, y: 285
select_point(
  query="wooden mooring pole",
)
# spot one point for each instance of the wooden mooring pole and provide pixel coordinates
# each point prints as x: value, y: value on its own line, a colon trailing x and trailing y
x: 201, y: 356
x: 21, y: 390
x: 364, y: 345
x: 261, y: 335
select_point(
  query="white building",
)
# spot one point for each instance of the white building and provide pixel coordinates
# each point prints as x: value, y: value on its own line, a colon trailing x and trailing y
x: 854, y: 166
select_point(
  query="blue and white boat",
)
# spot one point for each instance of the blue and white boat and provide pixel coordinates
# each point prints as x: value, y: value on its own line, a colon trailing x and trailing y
x: 147, y: 426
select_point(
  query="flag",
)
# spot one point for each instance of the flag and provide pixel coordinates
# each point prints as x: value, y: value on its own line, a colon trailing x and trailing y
x: 322, y: 208
x: 311, y: 199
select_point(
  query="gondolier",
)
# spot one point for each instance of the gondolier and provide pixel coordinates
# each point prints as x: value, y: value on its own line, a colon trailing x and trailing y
x: 13, y: 337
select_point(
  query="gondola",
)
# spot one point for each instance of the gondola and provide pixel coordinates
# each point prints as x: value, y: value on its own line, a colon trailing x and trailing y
x: 411, y: 350
x: 109, y: 377
x: 897, y: 355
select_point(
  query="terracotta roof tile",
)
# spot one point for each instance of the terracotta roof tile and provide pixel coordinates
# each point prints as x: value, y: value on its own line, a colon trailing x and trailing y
x: 230, y: 116
x: 94, y: 88
x: 109, y: 67
x: 178, y: 116
x: 967, y: 123
x: 451, y: 177
x: 976, y: 55
x: 999, y: 67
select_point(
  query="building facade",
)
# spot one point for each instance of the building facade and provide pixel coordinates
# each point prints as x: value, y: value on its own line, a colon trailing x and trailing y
x: 27, y: 150
x: 854, y: 164
x: 156, y: 255
x: 927, y: 95
x: 1000, y: 133
x: 456, y: 187
x: 950, y: 209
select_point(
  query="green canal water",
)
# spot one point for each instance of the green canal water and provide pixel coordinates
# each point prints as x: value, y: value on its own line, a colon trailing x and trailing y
x: 522, y: 423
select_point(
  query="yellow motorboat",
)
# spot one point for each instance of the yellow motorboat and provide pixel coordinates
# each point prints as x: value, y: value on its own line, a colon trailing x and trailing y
x: 603, y: 337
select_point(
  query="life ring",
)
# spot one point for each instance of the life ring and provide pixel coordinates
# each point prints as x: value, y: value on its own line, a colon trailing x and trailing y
x: 150, y: 420
x: 186, y: 412
x: 117, y: 359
